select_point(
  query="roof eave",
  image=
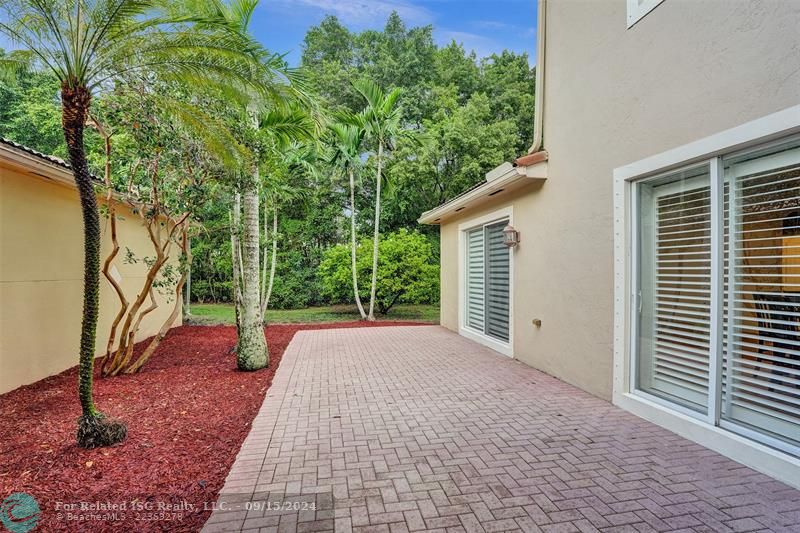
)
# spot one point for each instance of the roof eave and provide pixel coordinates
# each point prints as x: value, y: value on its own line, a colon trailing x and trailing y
x: 36, y: 164
x: 515, y: 177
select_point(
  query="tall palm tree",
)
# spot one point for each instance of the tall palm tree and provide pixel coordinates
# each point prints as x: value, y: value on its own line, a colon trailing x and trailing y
x: 89, y: 45
x: 272, y: 122
x: 279, y: 87
x: 284, y: 184
x: 345, y: 154
x: 380, y: 119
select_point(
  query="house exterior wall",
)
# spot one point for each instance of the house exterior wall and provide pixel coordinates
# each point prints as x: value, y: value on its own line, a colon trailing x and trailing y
x: 613, y: 96
x: 41, y: 277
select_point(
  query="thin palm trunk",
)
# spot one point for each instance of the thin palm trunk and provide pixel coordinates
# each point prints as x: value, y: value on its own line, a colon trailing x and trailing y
x: 187, y: 310
x: 376, y: 236
x: 236, y: 259
x: 252, y: 351
x: 353, y: 243
x: 273, y: 263
x: 264, y: 266
x: 92, y: 432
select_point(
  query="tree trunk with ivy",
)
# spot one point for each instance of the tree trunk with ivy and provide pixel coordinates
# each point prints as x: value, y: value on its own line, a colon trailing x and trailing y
x: 251, y: 350
x: 94, y: 429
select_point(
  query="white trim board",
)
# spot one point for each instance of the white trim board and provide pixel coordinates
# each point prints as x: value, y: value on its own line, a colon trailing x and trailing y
x: 770, y: 461
x: 637, y: 9
x: 495, y: 344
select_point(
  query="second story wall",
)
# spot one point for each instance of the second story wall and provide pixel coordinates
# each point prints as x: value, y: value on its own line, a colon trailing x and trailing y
x: 615, y: 95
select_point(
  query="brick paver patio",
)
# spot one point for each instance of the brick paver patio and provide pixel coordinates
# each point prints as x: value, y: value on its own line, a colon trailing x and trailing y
x: 415, y: 428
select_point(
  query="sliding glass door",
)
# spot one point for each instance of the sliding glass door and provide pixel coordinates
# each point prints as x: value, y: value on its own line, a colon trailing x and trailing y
x: 717, y: 311
x: 487, y: 281
x: 675, y: 289
x: 761, y: 377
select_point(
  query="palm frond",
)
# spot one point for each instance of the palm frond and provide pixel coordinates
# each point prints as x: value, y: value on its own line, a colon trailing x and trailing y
x: 14, y: 65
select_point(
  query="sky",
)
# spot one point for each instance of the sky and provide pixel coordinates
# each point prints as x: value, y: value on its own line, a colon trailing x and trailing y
x: 486, y: 26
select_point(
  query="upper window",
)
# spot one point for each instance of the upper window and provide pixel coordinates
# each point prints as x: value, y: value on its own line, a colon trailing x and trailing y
x: 639, y: 8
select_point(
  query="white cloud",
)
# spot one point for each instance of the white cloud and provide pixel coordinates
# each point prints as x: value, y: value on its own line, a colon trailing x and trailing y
x: 483, y: 46
x: 367, y: 13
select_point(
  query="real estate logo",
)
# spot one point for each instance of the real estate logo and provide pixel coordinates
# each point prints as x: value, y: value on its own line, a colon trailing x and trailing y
x: 19, y: 512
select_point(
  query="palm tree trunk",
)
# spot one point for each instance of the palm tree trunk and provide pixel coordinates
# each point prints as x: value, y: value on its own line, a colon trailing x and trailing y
x: 187, y: 310
x: 252, y: 353
x: 236, y: 259
x: 353, y: 243
x: 373, y: 290
x: 92, y: 431
x: 264, y: 266
x: 273, y: 263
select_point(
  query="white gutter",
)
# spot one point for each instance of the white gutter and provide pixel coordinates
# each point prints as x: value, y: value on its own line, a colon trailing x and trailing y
x: 538, y: 118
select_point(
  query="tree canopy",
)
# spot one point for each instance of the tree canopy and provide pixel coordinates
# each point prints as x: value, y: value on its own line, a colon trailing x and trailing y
x: 463, y: 115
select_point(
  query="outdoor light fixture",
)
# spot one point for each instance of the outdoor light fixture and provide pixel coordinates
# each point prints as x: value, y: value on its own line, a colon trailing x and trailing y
x: 510, y: 236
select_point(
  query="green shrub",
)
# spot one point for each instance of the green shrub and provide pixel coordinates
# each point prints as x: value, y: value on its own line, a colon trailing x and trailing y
x: 408, y: 271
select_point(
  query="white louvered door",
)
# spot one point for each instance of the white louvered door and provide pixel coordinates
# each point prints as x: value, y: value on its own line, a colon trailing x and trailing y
x: 761, y: 376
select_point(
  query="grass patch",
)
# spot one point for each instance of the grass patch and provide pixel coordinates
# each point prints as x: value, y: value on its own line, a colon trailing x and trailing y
x: 207, y: 314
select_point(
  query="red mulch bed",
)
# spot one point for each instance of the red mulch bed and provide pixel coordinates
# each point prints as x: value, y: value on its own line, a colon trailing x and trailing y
x: 188, y: 413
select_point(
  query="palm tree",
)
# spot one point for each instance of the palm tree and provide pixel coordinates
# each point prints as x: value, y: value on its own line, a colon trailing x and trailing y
x: 272, y: 123
x: 283, y: 185
x: 345, y: 154
x: 89, y: 45
x: 380, y: 119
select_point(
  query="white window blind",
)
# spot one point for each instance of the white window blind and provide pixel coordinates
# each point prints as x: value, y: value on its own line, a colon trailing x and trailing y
x: 475, y: 300
x: 675, y: 326
x: 488, y: 281
x: 497, y: 282
x: 761, y: 376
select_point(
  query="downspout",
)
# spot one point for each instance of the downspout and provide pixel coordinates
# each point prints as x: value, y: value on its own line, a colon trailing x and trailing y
x: 538, y: 119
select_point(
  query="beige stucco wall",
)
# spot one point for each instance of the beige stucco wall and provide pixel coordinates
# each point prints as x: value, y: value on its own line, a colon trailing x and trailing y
x: 613, y: 96
x: 41, y: 277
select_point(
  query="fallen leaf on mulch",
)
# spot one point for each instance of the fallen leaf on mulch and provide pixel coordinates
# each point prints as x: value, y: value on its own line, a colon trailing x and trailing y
x: 168, y: 458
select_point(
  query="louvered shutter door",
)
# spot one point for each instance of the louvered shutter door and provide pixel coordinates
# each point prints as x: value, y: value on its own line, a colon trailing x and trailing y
x: 761, y: 365
x: 475, y: 305
x: 680, y: 321
x: 497, y: 282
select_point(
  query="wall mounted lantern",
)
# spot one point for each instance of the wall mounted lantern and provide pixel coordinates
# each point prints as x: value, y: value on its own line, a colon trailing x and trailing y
x: 510, y: 236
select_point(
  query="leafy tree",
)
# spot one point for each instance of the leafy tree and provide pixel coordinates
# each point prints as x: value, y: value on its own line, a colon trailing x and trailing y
x: 461, y: 142
x: 328, y: 42
x: 87, y: 45
x: 30, y: 110
x: 408, y: 271
x: 509, y: 83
